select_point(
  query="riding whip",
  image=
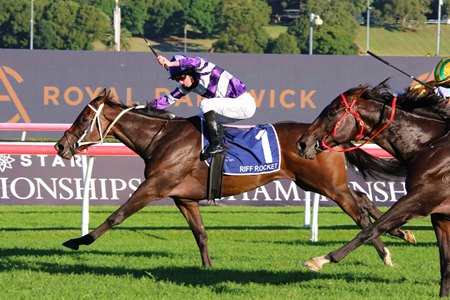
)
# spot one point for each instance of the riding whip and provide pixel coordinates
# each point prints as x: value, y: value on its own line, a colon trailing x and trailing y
x: 142, y: 36
x: 410, y: 76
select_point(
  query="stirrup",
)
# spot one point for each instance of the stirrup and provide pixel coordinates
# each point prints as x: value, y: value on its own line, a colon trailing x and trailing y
x: 211, y: 152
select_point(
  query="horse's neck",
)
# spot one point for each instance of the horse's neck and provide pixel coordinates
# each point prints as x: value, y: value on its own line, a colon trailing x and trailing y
x: 137, y: 131
x: 408, y: 133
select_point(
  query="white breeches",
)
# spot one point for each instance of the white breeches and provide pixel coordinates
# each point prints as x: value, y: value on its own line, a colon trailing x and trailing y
x: 230, y: 110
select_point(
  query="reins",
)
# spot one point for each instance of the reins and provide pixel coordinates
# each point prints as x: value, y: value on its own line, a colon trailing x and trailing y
x: 96, y: 120
x: 360, y: 122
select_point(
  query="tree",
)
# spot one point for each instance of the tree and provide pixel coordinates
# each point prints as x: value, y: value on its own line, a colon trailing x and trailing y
x: 137, y: 11
x: 284, y: 44
x: 15, y: 23
x: 409, y: 13
x: 241, y: 26
x: 337, y: 33
x: 110, y: 43
x: 201, y: 15
x: 165, y: 17
x: 69, y: 25
x: 107, y: 6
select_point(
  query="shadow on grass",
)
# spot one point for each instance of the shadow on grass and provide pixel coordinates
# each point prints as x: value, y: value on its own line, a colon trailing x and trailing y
x: 149, y: 228
x: 211, y: 228
x: 195, y: 276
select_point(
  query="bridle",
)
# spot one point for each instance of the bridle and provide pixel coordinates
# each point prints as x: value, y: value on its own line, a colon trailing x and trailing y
x: 96, y: 120
x: 349, y: 110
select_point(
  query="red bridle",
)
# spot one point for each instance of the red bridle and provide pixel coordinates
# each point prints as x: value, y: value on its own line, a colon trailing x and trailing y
x: 360, y: 122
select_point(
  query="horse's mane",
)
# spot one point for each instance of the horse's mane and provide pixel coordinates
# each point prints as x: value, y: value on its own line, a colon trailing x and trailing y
x: 148, y: 110
x: 418, y: 101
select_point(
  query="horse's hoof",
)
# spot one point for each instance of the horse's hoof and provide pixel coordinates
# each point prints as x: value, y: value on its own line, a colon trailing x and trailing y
x: 313, y: 264
x: 410, y: 238
x: 71, y: 245
x: 387, y: 258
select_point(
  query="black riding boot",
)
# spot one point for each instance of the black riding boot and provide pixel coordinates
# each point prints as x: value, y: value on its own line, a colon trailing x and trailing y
x: 215, y: 133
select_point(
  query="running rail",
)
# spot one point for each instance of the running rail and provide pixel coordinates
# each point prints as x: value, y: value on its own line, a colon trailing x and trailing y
x: 112, y: 149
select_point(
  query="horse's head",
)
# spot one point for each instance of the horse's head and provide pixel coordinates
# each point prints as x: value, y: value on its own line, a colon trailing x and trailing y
x: 337, y: 124
x: 85, y: 131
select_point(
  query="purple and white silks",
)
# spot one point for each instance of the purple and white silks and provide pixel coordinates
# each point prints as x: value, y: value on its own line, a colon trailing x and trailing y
x: 213, y: 82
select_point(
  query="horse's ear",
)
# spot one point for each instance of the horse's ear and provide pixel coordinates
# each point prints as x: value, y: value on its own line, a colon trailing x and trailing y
x: 104, y: 95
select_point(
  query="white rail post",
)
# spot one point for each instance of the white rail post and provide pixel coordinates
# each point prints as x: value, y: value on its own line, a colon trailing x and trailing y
x: 315, y: 219
x: 307, y: 223
x: 88, y: 165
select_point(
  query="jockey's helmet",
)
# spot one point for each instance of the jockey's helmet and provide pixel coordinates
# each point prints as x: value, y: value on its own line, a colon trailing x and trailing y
x: 442, y: 70
x: 177, y: 71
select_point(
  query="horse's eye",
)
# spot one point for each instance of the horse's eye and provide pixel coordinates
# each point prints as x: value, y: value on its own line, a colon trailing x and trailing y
x: 84, y: 119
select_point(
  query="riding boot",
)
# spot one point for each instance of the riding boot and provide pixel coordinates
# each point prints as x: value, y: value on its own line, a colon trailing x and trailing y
x: 215, y: 133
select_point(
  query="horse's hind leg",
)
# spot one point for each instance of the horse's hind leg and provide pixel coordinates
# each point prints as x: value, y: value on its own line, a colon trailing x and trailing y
x: 190, y: 210
x: 441, y: 225
x: 368, y: 206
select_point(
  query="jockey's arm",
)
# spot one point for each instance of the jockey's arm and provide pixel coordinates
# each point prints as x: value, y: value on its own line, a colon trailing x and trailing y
x: 168, y: 99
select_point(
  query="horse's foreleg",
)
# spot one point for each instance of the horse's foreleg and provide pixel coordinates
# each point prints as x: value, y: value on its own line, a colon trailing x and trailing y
x: 352, y: 207
x: 441, y: 225
x: 373, y: 211
x: 137, y: 201
x: 401, y: 212
x: 191, y: 212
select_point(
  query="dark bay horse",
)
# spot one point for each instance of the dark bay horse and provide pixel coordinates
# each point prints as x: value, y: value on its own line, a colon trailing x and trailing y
x: 410, y: 127
x: 170, y: 148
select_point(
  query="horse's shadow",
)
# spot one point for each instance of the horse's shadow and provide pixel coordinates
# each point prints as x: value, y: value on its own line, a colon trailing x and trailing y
x: 183, y: 275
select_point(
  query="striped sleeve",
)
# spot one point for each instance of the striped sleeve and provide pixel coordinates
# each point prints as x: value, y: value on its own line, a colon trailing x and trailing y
x: 168, y: 99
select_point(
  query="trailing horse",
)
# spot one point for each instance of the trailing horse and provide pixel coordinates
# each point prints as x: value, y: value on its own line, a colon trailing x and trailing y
x: 170, y: 148
x: 412, y: 128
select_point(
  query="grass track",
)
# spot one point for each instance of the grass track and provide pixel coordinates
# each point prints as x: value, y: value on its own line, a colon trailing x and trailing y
x: 393, y: 42
x: 256, y: 253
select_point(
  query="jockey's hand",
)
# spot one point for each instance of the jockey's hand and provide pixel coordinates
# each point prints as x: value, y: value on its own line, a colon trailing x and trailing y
x: 163, y: 61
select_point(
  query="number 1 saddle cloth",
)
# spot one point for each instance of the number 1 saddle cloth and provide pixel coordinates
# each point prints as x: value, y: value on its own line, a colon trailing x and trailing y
x: 249, y: 151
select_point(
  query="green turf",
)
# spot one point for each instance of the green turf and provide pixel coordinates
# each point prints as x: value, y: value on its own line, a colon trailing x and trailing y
x: 256, y: 254
x: 392, y: 42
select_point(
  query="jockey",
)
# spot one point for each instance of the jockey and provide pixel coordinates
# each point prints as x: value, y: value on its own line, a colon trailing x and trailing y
x: 442, y: 87
x: 225, y: 99
x: 442, y: 77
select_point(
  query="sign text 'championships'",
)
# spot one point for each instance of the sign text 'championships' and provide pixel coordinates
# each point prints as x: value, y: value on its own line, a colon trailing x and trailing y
x: 51, y: 180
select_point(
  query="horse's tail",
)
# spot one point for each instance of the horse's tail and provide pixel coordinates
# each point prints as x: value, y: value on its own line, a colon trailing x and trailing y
x: 374, y: 167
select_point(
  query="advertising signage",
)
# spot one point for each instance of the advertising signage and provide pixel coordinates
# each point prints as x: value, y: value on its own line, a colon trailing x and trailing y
x: 51, y: 180
x: 42, y: 86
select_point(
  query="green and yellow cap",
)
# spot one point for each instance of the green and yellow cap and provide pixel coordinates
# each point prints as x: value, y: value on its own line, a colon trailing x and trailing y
x: 442, y: 70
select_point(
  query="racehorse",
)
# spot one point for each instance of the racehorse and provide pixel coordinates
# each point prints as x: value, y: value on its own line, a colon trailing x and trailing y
x: 170, y: 147
x: 409, y: 126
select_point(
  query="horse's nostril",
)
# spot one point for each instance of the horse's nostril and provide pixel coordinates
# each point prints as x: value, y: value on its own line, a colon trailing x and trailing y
x: 60, y: 147
x: 301, y: 145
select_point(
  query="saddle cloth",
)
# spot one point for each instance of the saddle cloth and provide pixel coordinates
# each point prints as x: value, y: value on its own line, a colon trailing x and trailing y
x: 249, y: 151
